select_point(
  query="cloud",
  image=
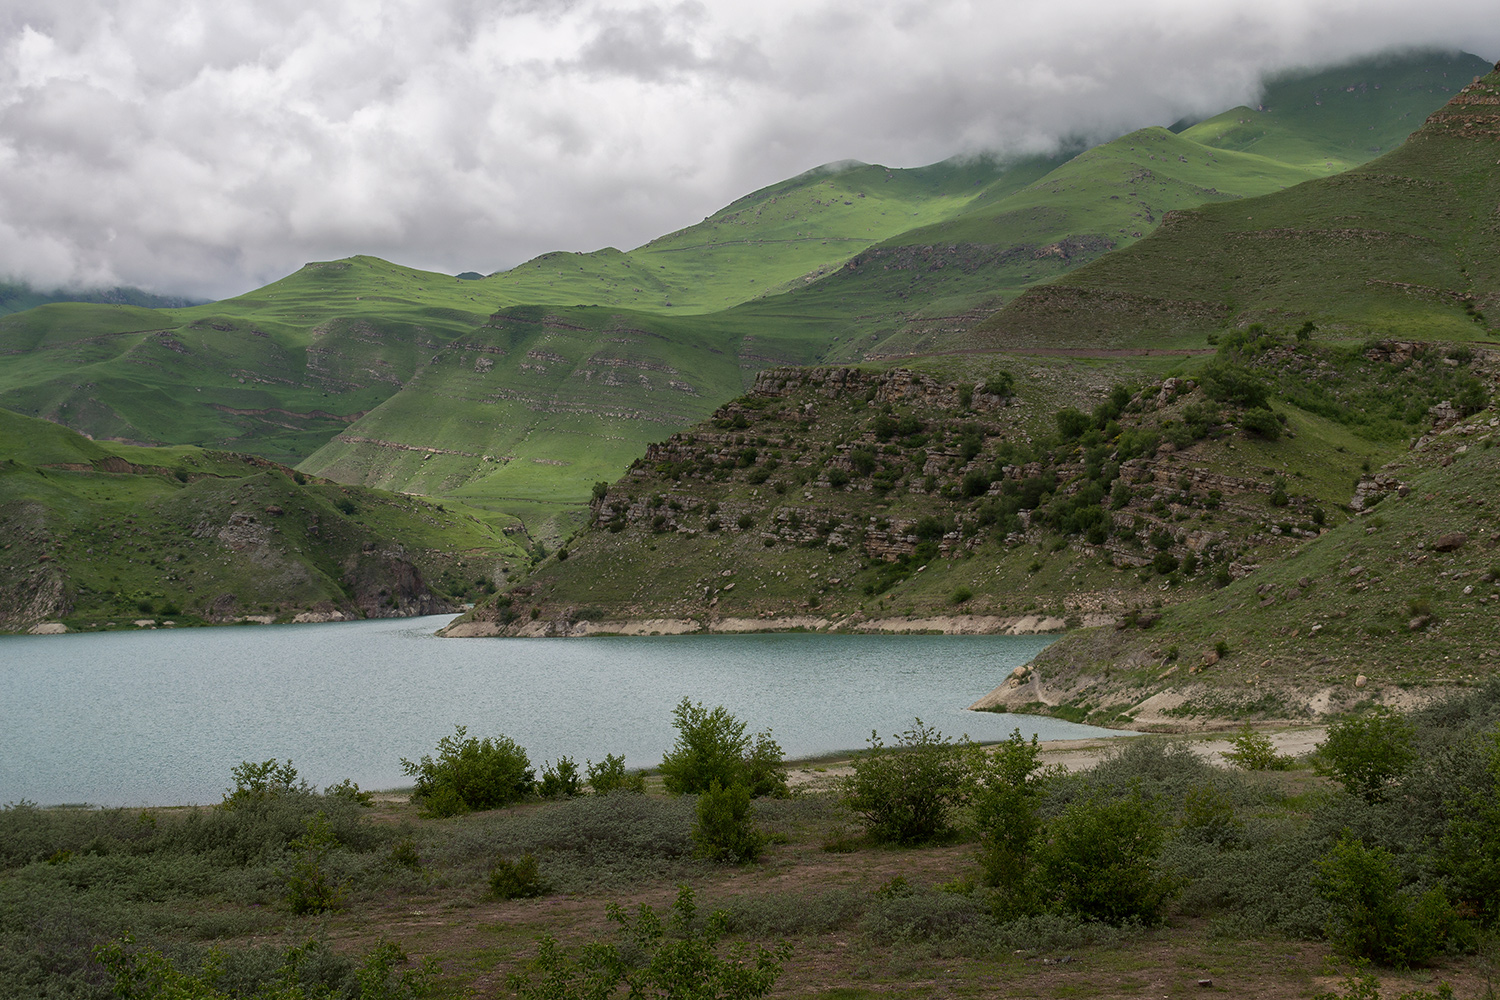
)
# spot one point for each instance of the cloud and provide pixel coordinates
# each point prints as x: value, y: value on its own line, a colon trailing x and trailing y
x: 205, y: 148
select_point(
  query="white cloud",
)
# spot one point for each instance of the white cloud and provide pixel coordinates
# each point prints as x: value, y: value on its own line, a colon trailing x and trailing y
x: 208, y: 146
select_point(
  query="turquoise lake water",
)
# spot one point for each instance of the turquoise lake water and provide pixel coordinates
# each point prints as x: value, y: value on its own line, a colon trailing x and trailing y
x: 161, y: 717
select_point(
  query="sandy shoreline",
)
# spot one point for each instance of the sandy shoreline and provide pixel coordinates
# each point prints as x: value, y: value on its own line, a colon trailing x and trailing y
x: 848, y: 624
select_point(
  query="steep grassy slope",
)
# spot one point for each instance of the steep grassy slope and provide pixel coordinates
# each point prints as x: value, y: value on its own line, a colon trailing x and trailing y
x: 1404, y: 595
x: 824, y: 491
x: 527, y: 412
x: 1403, y: 246
x: 105, y: 534
x: 942, y: 279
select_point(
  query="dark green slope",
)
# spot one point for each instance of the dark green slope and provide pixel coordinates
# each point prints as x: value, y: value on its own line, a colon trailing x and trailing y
x: 99, y: 535
x: 1403, y: 246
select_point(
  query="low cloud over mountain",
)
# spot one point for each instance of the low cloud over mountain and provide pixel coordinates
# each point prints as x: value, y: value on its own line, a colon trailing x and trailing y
x: 204, y: 148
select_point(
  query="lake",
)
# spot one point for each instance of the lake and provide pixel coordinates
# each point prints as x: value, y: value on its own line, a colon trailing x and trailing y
x: 161, y: 717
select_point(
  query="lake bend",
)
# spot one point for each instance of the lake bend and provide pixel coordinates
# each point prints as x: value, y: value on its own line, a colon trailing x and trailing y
x: 161, y: 717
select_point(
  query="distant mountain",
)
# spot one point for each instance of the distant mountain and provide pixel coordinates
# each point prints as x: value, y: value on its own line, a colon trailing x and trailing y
x: 20, y: 296
x: 520, y: 390
x: 1404, y: 246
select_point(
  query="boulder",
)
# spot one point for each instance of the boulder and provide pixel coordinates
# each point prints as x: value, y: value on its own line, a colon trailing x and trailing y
x: 1451, y: 542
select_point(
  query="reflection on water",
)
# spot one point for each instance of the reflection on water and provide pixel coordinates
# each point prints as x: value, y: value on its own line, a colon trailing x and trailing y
x: 160, y: 717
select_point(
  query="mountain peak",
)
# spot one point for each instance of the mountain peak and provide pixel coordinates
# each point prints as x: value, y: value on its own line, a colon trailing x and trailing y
x: 1473, y: 112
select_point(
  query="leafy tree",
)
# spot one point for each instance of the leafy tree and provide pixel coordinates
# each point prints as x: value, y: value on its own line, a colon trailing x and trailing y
x: 310, y: 886
x: 255, y: 783
x: 712, y: 746
x: 1011, y: 786
x: 1099, y: 860
x: 725, y: 830
x: 1228, y: 382
x: 609, y: 775
x: 1255, y: 752
x: 470, y: 773
x: 561, y: 779
x: 906, y: 793
x: 1366, y: 754
x: 1373, y: 917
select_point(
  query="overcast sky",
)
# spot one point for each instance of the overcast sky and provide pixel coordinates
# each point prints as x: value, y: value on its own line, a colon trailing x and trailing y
x: 205, y: 147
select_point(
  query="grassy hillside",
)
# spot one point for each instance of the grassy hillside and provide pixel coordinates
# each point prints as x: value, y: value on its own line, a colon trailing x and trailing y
x: 852, y: 496
x: 1401, y: 597
x: 101, y: 535
x: 355, y: 368
x: 1402, y: 246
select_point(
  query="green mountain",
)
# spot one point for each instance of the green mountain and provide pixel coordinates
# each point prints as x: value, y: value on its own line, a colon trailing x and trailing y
x: 518, y: 391
x: 100, y: 535
x: 1285, y: 524
x: 1403, y: 246
x: 18, y: 296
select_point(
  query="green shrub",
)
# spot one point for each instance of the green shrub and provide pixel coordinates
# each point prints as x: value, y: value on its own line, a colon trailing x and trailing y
x: 906, y: 793
x: 610, y: 775
x: 1099, y: 860
x: 674, y: 958
x: 961, y: 595
x: 469, y: 774
x: 1254, y: 752
x: 1373, y: 916
x: 725, y: 830
x: 258, y: 782
x: 310, y: 886
x: 712, y: 746
x: 517, y: 879
x: 561, y: 779
x: 1262, y: 423
x: 1006, y: 814
x: 1366, y: 754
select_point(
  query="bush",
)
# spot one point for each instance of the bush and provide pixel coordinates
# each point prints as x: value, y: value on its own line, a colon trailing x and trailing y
x: 1373, y: 916
x: 1254, y: 752
x: 560, y: 780
x: 712, y: 747
x: 1262, y: 423
x: 1099, y: 861
x: 470, y: 774
x: 1366, y: 754
x: 517, y: 879
x: 906, y: 793
x: 1005, y: 812
x: 610, y: 775
x: 675, y: 958
x: 725, y: 830
x: 259, y: 782
x: 310, y: 887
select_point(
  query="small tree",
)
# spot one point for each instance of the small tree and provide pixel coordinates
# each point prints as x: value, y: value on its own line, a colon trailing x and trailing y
x: 610, y: 774
x: 1366, y: 754
x: 310, y: 886
x: 1373, y: 917
x: 1099, y: 860
x: 561, y: 779
x: 906, y: 792
x: 712, y: 747
x: 470, y: 773
x: 1255, y: 752
x: 254, y: 783
x: 1011, y: 783
x: 726, y: 830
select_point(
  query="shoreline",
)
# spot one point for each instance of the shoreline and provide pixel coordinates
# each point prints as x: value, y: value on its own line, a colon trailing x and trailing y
x: 1030, y: 624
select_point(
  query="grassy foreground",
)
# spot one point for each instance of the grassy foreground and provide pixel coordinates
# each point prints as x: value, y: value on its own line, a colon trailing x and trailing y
x: 1219, y: 877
